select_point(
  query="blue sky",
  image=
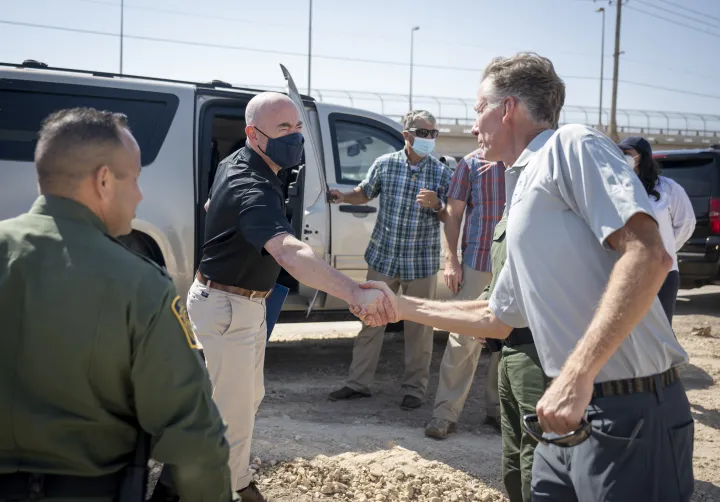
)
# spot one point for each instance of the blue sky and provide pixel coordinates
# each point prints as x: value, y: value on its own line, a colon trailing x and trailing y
x: 453, y: 33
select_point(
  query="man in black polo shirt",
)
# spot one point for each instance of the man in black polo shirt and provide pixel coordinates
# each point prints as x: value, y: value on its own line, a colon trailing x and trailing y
x: 247, y: 240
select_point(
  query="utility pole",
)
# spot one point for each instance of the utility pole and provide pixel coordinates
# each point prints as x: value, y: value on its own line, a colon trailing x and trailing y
x: 412, y: 47
x: 309, y: 48
x: 122, y: 27
x: 602, y: 66
x: 613, y: 110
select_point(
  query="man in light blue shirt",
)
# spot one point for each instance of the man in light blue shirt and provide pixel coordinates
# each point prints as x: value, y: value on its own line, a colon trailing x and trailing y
x: 585, y: 263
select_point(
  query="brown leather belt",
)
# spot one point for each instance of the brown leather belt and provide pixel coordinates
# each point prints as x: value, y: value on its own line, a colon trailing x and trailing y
x: 233, y: 290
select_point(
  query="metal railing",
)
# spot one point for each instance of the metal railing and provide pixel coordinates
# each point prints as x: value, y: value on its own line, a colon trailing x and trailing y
x: 460, y: 112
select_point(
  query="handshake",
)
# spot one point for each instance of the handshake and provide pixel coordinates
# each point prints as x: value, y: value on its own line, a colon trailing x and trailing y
x: 375, y: 304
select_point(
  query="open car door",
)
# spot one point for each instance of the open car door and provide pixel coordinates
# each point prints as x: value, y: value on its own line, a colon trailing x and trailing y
x: 316, y: 214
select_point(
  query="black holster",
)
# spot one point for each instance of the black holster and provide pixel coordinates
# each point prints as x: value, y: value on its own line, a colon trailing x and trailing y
x: 135, y: 479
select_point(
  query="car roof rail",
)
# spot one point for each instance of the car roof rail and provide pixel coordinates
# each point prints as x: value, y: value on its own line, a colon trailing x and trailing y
x: 31, y: 63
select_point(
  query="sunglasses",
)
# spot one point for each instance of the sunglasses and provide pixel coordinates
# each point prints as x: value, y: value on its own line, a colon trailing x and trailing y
x: 574, y: 438
x: 424, y: 133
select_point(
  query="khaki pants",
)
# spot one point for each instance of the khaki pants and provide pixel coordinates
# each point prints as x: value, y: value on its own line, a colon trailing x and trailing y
x: 460, y: 360
x: 418, y: 342
x: 233, y: 333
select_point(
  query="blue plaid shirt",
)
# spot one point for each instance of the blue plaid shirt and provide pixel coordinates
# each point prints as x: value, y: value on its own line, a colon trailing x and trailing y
x: 405, y: 242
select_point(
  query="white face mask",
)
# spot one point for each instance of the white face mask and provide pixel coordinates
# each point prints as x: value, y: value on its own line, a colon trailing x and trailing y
x: 630, y: 161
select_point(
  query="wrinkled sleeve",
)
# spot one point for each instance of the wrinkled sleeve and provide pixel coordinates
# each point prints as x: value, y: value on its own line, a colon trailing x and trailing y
x: 460, y: 183
x: 262, y: 217
x: 681, y: 213
x: 371, y: 185
x: 173, y: 395
x: 504, y: 302
x: 594, y: 180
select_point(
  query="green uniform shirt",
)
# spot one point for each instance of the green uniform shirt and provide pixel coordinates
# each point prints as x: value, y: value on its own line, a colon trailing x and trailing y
x: 95, y: 343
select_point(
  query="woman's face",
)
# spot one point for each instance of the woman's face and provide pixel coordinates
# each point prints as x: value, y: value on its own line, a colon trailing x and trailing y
x: 633, y: 159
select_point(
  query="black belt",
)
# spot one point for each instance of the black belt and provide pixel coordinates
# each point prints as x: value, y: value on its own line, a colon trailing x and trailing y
x: 635, y: 385
x: 33, y: 486
x: 519, y: 336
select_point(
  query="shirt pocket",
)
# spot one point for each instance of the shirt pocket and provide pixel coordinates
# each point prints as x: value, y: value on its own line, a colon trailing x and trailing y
x: 499, y: 233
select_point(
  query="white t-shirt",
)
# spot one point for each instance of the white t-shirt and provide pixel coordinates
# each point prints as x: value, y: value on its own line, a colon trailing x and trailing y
x: 674, y: 214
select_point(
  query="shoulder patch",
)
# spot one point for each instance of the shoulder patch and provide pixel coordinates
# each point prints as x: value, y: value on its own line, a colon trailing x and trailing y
x: 180, y: 312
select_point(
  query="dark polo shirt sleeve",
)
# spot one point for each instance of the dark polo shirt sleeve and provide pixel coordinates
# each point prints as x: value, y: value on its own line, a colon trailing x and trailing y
x: 261, y: 217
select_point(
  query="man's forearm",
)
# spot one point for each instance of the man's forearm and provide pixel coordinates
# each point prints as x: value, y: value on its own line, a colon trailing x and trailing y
x: 452, y: 235
x: 302, y: 263
x: 469, y: 318
x: 632, y: 288
x: 356, y: 197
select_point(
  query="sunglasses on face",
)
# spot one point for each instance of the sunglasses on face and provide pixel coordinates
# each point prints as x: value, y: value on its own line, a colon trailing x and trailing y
x: 424, y: 133
x: 532, y: 427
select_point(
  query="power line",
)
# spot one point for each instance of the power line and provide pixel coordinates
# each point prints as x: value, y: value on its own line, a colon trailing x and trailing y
x: 673, y: 21
x: 265, y: 51
x: 336, y: 58
x: 712, y: 25
x: 704, y: 14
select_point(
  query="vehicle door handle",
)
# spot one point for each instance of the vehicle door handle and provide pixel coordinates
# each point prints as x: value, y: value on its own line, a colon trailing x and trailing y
x: 357, y: 209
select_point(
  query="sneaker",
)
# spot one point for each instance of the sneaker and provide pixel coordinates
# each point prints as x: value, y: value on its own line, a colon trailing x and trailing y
x: 439, y: 428
x: 346, y: 393
x: 252, y: 494
x: 411, y: 403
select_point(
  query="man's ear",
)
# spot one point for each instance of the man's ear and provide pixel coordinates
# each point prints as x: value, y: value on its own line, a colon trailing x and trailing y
x: 406, y: 135
x: 102, y: 180
x: 509, y: 105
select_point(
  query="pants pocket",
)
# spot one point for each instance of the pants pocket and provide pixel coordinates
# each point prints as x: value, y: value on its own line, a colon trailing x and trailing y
x: 210, y: 315
x: 681, y: 441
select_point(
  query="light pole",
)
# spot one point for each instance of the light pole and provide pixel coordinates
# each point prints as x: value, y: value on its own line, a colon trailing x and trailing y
x: 412, y: 47
x: 122, y: 28
x: 309, y: 47
x: 602, y: 65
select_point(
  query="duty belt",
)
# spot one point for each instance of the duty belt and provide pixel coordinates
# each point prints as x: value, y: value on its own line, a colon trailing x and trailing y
x: 519, y: 336
x: 635, y: 385
x: 34, y: 486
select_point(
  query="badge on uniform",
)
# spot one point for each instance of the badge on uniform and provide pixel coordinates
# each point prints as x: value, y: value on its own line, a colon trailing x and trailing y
x: 178, y: 308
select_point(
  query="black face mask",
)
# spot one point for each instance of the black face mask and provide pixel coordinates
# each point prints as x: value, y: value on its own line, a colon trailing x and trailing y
x: 286, y: 151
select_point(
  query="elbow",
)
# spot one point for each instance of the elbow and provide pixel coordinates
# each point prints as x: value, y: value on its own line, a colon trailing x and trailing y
x: 661, y: 260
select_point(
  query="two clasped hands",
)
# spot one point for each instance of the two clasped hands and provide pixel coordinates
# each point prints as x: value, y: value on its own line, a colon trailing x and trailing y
x: 376, y: 309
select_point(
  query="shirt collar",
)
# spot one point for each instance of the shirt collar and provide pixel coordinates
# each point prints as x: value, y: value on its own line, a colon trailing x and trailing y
x: 69, y: 209
x: 258, y: 164
x: 409, y: 163
x: 536, y: 144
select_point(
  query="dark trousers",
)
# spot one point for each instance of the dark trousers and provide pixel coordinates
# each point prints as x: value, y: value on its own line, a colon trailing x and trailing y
x: 521, y: 384
x: 640, y: 450
x: 668, y: 293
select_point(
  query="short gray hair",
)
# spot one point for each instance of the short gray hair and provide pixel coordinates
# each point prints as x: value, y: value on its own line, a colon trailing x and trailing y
x: 72, y: 141
x: 532, y: 80
x: 411, y: 118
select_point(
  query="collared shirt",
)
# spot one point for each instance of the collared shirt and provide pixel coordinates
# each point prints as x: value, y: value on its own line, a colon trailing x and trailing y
x: 575, y: 191
x: 405, y: 242
x: 481, y: 185
x: 247, y: 209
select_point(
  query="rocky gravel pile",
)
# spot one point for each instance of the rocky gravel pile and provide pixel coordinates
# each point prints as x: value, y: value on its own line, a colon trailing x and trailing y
x: 369, y: 477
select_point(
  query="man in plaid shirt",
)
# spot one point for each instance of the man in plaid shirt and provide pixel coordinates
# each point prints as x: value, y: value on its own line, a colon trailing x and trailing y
x: 404, y: 250
x: 478, y: 190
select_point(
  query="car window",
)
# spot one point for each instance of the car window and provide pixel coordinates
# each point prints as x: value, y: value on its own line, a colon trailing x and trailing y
x: 697, y: 175
x: 356, y: 146
x: 24, y: 105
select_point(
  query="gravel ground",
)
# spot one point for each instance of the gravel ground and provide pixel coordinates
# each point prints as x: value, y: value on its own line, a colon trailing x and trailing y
x: 309, y: 448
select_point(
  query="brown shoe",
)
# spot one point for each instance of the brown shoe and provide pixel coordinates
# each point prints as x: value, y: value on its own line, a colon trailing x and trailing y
x: 252, y: 494
x: 439, y: 428
x: 346, y: 393
x: 411, y: 403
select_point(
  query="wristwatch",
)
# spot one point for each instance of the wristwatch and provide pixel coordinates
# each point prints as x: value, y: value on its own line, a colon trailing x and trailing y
x: 442, y: 206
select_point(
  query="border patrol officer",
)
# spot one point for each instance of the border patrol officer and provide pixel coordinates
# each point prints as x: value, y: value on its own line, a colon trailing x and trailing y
x: 96, y: 342
x: 247, y: 240
x: 615, y: 423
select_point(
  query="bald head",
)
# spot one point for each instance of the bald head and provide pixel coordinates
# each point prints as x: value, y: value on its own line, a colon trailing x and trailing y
x: 265, y: 109
x: 270, y: 115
